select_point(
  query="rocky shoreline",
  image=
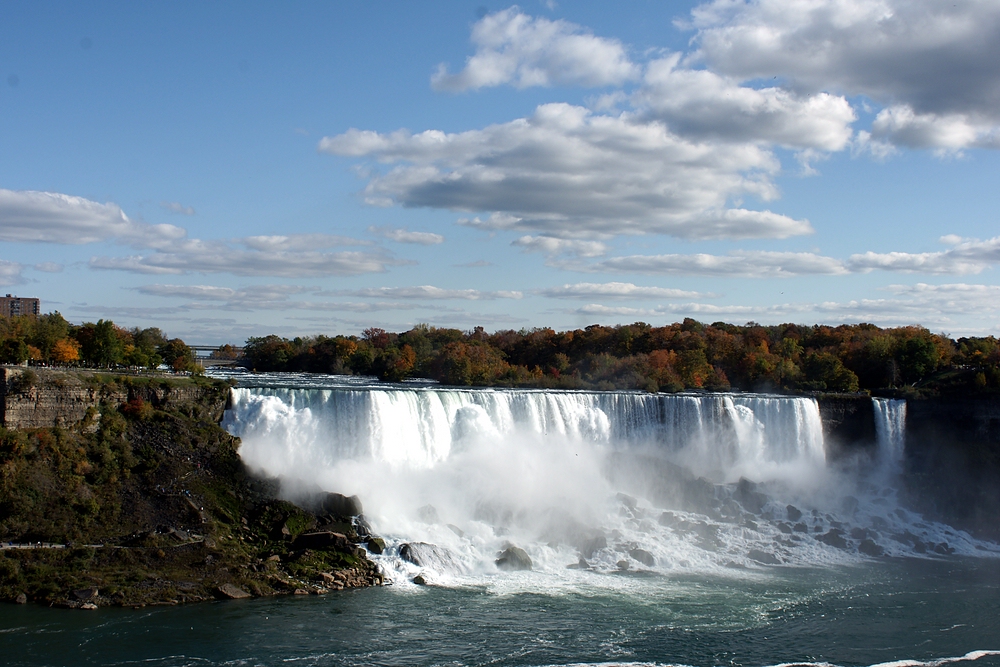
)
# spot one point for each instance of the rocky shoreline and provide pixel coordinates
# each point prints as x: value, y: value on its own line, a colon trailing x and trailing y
x: 127, y: 492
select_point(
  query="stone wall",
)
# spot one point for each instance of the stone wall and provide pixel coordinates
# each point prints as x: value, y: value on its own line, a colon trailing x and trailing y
x: 44, y: 397
x: 848, y: 424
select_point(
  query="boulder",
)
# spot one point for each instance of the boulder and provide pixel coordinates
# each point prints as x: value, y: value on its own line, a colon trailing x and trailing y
x: 428, y: 514
x: 591, y: 543
x: 834, y: 537
x: 793, y: 512
x: 746, y: 494
x: 513, y: 558
x: 763, y: 557
x: 341, y: 505
x: 323, y: 540
x: 376, y: 545
x: 419, y: 580
x: 85, y: 594
x: 21, y: 599
x: 429, y: 555
x: 232, y: 592
x: 870, y: 548
x: 643, y: 557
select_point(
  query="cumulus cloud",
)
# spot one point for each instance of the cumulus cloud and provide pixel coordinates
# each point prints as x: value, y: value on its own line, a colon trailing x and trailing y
x: 406, y: 236
x: 28, y: 216
x: 936, y: 63
x: 174, y: 207
x: 48, y: 267
x: 965, y: 256
x: 297, y: 242
x: 746, y: 264
x: 259, y: 297
x: 554, y: 246
x: 426, y: 292
x: 701, y: 103
x: 524, y: 51
x: 617, y: 290
x: 565, y: 171
x: 10, y: 273
x: 196, y: 256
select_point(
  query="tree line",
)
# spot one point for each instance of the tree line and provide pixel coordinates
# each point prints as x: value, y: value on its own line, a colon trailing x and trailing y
x: 681, y: 356
x: 50, y: 339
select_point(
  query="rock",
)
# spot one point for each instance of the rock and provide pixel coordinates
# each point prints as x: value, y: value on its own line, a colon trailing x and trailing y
x: 627, y: 500
x: 300, y: 591
x: 85, y: 594
x: 747, y: 495
x: 21, y: 599
x: 669, y: 519
x: 376, y: 545
x: 513, y: 558
x: 834, y: 537
x: 592, y: 543
x: 643, y: 557
x: 858, y: 533
x: 622, y: 564
x: 582, y: 564
x: 763, y: 557
x: 232, y: 592
x: 88, y: 605
x: 327, y: 577
x: 430, y: 556
x: 455, y: 529
x: 428, y: 514
x: 870, y: 548
x: 785, y: 528
x: 273, y: 558
x: 419, y: 580
x: 323, y: 540
x: 341, y: 505
x: 793, y: 512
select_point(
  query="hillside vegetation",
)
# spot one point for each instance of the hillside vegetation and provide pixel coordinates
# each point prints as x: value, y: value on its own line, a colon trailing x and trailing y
x: 685, y: 355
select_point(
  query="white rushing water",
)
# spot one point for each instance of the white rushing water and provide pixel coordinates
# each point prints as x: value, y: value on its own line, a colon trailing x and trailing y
x: 601, y: 481
x: 890, y: 428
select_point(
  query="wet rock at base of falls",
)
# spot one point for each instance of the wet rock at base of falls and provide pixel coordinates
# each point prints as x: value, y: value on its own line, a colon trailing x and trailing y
x: 912, y: 540
x: 362, y: 527
x: 376, y: 545
x: 835, y: 538
x: 665, y: 484
x: 800, y: 527
x: 590, y: 544
x: 341, y: 505
x: 746, y: 494
x: 869, y: 548
x: 428, y: 514
x: 429, y: 555
x: 642, y: 556
x: 323, y: 539
x: 793, y: 513
x: 943, y: 549
x: 419, y: 580
x: 669, y: 519
x: 513, y: 558
x: 763, y: 557
x: 582, y: 564
x: 232, y: 592
x: 850, y: 504
x: 622, y: 564
x: 784, y: 527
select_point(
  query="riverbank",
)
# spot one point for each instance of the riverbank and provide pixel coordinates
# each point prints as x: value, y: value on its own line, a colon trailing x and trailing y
x: 138, y: 497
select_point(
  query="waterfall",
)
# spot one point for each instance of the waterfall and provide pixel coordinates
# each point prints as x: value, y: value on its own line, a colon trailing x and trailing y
x: 890, y: 429
x: 600, y: 481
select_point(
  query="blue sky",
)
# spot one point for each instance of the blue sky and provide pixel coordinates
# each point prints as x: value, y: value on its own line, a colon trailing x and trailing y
x: 222, y: 170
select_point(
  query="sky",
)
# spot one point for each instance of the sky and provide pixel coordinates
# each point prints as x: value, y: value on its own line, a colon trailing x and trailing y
x: 233, y: 169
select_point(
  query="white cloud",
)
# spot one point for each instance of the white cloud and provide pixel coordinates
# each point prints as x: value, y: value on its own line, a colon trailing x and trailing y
x: 48, y: 267
x: 197, y: 256
x: 939, y: 60
x: 554, y: 246
x: 426, y: 292
x: 297, y: 242
x: 514, y: 48
x: 946, y: 132
x: 617, y: 290
x: 567, y: 172
x: 175, y: 207
x: 188, y: 291
x: 701, y: 103
x: 748, y: 264
x: 406, y: 236
x: 964, y: 257
x: 10, y: 273
x: 28, y: 216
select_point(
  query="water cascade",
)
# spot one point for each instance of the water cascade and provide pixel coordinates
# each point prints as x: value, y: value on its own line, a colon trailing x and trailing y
x: 597, y: 481
x: 890, y: 428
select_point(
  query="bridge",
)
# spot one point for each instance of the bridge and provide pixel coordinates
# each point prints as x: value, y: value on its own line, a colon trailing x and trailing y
x: 217, y: 355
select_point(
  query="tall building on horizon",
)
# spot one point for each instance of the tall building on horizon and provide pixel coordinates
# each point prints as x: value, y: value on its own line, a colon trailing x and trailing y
x: 12, y: 306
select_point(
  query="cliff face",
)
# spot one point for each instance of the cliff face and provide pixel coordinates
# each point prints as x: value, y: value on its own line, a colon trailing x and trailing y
x: 848, y: 424
x: 45, y: 398
x: 953, y: 460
